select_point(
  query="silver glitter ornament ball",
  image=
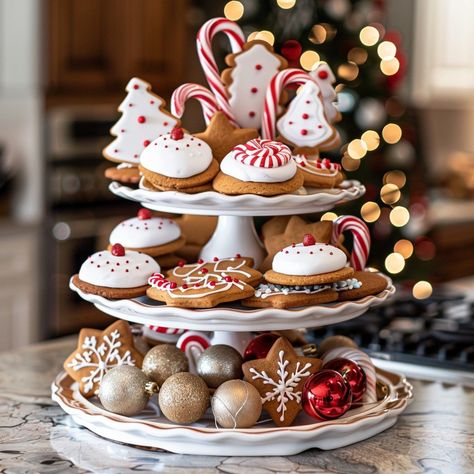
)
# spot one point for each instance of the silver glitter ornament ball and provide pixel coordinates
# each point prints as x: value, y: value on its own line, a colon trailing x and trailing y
x: 184, y: 398
x: 162, y: 361
x: 236, y: 404
x: 125, y: 390
x: 218, y: 364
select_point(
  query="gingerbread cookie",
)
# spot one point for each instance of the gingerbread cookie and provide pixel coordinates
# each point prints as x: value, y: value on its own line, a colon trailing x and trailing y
x: 116, y: 274
x: 143, y: 119
x: 222, y: 136
x: 262, y: 167
x: 151, y: 235
x: 247, y: 80
x: 318, y: 173
x: 178, y: 161
x: 362, y: 284
x: 205, y: 284
x: 123, y: 174
x: 99, y: 351
x: 304, y: 123
x: 279, y: 378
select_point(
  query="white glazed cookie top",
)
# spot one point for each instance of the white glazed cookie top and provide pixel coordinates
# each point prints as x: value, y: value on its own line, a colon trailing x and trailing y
x: 177, y: 155
x: 145, y: 231
x: 130, y: 270
x: 304, y: 260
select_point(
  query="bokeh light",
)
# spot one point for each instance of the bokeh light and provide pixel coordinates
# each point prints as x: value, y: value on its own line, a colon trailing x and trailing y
x: 370, y: 211
x: 392, y: 133
x: 399, y: 216
x: 389, y: 67
x: 394, y: 263
x: 390, y: 193
x: 318, y: 34
x: 349, y: 164
x: 369, y: 35
x: 309, y: 59
x: 329, y: 216
x: 348, y: 71
x: 404, y: 247
x: 396, y: 177
x: 357, y: 149
x: 386, y: 50
x: 233, y: 10
x: 422, y: 290
x: 286, y: 4
x: 371, y: 139
x: 266, y: 35
x: 252, y: 36
x: 357, y: 55
x: 425, y: 249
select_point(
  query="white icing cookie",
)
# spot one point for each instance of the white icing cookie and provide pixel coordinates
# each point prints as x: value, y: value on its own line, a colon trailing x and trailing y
x: 325, y: 79
x: 304, y: 260
x: 143, y: 119
x: 304, y: 123
x: 130, y: 270
x: 177, y: 158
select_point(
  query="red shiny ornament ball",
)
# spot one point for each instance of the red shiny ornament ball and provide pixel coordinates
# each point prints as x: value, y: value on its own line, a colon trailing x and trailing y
x: 308, y: 239
x: 259, y: 347
x: 177, y: 133
x: 326, y: 395
x: 144, y: 214
x: 291, y: 50
x: 117, y: 250
x: 352, y: 373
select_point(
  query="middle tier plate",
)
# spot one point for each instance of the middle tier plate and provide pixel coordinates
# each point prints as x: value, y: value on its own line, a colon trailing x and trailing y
x: 212, y: 203
x: 234, y: 317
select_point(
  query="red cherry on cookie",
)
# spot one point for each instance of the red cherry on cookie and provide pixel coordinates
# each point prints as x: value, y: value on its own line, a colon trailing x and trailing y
x: 308, y: 239
x: 177, y: 133
x: 117, y: 250
x: 144, y: 214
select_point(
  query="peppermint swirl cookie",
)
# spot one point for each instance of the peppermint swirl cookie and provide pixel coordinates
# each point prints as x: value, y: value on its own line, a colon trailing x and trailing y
x: 262, y: 167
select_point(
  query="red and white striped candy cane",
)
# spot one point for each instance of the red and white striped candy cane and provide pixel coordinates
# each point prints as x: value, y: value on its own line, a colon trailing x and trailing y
x: 361, y: 239
x: 194, y: 91
x: 193, y: 344
x: 366, y: 364
x: 163, y: 330
x: 281, y: 80
x: 208, y: 63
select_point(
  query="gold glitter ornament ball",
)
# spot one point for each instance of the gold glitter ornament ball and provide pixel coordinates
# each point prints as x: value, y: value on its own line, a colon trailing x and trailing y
x: 163, y: 361
x: 236, y: 404
x: 184, y: 398
x: 219, y: 363
x: 125, y: 390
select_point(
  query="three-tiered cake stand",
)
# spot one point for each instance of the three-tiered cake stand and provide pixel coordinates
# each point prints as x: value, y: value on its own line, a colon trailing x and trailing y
x: 231, y: 323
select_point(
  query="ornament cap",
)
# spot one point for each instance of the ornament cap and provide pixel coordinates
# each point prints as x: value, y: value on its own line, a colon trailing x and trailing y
x: 151, y: 388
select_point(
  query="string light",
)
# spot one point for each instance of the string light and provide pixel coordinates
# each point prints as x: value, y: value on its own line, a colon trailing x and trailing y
x: 404, y: 247
x: 399, y: 216
x: 349, y: 164
x: 396, y: 177
x: 389, y: 67
x: 392, y: 133
x: 252, y: 36
x: 371, y: 139
x: 309, y: 59
x: 286, y: 4
x: 386, y: 50
x: 348, y: 71
x: 390, y: 193
x: 394, y: 263
x: 357, y: 55
x: 370, y: 211
x: 329, y: 216
x: 357, y: 149
x: 318, y: 34
x: 266, y: 35
x: 233, y: 10
x: 422, y: 290
x: 369, y: 35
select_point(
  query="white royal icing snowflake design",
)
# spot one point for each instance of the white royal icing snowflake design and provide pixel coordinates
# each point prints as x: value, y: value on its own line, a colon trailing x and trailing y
x: 283, y: 389
x: 100, y: 359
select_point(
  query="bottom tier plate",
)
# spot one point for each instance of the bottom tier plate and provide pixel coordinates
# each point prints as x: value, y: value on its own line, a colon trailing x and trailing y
x: 152, y: 431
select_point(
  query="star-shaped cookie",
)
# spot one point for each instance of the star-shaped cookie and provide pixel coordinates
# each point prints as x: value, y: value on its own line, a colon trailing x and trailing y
x: 279, y: 378
x: 295, y: 230
x: 222, y: 136
x: 99, y: 351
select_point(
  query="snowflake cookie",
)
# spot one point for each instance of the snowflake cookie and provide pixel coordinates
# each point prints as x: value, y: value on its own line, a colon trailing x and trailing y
x: 279, y: 378
x: 99, y: 351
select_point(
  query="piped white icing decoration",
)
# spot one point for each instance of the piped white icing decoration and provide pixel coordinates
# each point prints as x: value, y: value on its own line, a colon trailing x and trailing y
x: 141, y: 233
x: 305, y: 123
x: 249, y: 84
x: 182, y: 158
x: 128, y: 271
x: 141, y: 122
x: 305, y: 260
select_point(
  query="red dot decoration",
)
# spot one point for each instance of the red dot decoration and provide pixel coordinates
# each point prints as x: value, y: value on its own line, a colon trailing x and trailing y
x: 304, y: 131
x: 141, y: 119
x: 252, y: 114
x: 253, y: 90
x: 305, y: 116
x: 152, y: 102
x: 146, y: 143
x: 323, y: 74
x: 136, y: 86
x: 181, y: 263
x: 165, y: 124
x: 258, y: 67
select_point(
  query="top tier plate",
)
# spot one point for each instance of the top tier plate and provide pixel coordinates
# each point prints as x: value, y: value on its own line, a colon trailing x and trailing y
x: 211, y: 203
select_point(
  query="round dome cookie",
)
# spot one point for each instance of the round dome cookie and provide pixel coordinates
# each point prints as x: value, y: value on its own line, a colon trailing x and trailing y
x: 146, y: 233
x: 262, y: 167
x: 116, y: 274
x: 178, y: 161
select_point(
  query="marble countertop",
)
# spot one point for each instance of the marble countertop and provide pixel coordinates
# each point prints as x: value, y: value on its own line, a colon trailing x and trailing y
x: 435, y: 435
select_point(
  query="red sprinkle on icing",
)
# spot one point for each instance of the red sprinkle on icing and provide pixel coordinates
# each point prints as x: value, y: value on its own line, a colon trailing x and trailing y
x: 144, y: 214
x: 253, y: 90
x: 252, y: 114
x: 200, y: 260
x: 152, y: 102
x: 136, y: 86
x: 305, y: 116
x: 204, y: 270
x: 320, y: 126
x: 228, y: 279
x: 117, y: 250
x: 304, y: 131
x: 215, y: 259
x: 323, y: 74
x: 177, y: 133
x: 308, y: 102
x: 212, y: 283
x: 258, y: 67
x: 181, y: 263
x: 146, y: 143
x: 238, y: 255
x: 330, y: 253
x: 308, y: 239
x: 236, y: 280
x: 141, y: 119
x: 184, y: 285
x: 165, y: 124
x: 173, y: 285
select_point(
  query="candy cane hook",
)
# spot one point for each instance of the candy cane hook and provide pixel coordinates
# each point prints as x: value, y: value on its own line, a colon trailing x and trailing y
x: 194, y: 91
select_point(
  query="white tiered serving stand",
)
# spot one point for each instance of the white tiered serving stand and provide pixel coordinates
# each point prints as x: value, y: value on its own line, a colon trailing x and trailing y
x: 231, y: 323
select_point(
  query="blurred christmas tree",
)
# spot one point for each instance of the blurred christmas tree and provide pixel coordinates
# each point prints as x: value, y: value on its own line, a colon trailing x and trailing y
x: 377, y: 129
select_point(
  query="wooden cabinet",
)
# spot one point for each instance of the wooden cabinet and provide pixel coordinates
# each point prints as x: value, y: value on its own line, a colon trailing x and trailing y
x: 96, y: 46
